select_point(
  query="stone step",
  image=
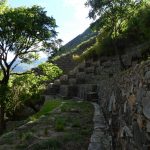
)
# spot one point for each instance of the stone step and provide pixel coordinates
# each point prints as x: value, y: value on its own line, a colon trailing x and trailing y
x: 84, y: 89
x: 72, y: 81
x: 92, y: 96
x: 64, y: 79
x: 68, y: 91
x: 52, y: 89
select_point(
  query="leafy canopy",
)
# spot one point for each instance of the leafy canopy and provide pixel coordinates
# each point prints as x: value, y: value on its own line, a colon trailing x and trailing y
x: 27, y: 88
x: 111, y: 15
x: 24, y: 32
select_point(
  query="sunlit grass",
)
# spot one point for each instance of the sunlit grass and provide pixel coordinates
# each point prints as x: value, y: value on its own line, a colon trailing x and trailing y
x: 47, y: 107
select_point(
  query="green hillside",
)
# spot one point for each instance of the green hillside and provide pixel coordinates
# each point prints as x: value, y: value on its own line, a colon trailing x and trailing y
x: 72, y: 45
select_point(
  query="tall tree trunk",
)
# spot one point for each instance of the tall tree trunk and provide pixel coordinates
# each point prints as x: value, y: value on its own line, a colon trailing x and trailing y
x: 3, y: 98
x: 2, y: 119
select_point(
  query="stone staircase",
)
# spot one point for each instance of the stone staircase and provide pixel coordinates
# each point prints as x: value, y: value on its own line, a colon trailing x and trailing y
x: 82, y: 82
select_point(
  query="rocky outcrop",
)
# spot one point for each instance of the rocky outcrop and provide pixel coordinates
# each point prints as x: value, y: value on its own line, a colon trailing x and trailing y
x: 123, y: 96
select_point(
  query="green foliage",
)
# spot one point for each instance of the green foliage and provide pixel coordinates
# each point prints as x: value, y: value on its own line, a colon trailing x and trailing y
x: 3, y: 5
x: 139, y: 26
x: 47, y: 107
x: 121, y: 24
x: 25, y: 28
x: 77, y: 50
x: 27, y: 88
x: 74, y: 45
x: 50, y: 71
x: 1, y: 75
x: 60, y: 124
x: 85, y: 48
x: 26, y: 136
x: 69, y: 129
x: 23, y: 32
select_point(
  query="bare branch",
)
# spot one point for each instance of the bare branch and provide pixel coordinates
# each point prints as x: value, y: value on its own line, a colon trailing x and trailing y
x: 15, y: 66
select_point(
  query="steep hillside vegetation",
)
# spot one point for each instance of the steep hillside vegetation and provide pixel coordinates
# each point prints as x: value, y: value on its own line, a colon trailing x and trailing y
x: 64, y: 59
x: 87, y: 34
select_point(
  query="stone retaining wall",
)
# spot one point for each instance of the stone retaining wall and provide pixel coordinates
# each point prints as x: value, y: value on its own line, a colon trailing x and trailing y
x: 125, y: 101
x: 123, y: 96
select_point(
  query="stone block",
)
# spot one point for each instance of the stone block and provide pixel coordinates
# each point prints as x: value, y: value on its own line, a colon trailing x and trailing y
x: 72, y: 74
x: 72, y: 91
x: 52, y: 89
x: 90, y: 70
x: 64, y: 90
x: 92, y: 96
x: 88, y: 63
x: 72, y: 81
x: 148, y: 126
x: 57, y: 82
x: 147, y: 75
x: 99, y: 70
x: 146, y: 107
x: 81, y: 77
x: 81, y: 67
x: 64, y: 79
x: 68, y: 91
x: 107, y: 64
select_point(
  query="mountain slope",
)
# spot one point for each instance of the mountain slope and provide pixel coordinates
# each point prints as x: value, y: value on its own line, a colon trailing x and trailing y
x: 64, y: 58
x: 24, y: 67
x: 87, y: 34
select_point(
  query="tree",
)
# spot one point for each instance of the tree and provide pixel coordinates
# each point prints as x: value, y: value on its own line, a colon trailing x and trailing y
x: 23, y: 32
x: 2, y: 5
x: 112, y: 16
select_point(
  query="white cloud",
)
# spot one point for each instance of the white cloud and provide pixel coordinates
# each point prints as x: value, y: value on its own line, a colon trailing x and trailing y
x: 79, y: 22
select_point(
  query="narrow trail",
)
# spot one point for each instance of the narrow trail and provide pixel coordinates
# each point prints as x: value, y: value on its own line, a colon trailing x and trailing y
x: 99, y: 139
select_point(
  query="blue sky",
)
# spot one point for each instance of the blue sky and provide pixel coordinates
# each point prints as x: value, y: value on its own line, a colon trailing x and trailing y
x: 70, y: 15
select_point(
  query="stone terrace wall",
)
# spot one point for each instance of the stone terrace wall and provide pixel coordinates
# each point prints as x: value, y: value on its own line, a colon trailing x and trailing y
x: 125, y: 101
x: 124, y: 97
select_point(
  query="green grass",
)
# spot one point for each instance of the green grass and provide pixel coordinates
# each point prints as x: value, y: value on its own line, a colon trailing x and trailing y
x: 47, y: 107
x: 60, y: 124
x: 69, y: 129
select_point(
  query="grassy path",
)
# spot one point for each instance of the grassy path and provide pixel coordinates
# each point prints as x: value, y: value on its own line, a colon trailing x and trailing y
x: 60, y: 125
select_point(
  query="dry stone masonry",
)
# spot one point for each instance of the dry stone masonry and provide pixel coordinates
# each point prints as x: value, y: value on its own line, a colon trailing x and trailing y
x: 123, y: 97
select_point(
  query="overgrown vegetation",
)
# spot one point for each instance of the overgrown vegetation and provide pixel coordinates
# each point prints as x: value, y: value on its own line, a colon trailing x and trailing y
x: 65, y: 125
x: 75, y: 51
x: 26, y: 89
x: 121, y: 24
x: 23, y: 32
x: 73, y: 45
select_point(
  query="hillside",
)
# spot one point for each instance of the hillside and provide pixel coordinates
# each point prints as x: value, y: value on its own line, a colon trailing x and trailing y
x: 24, y: 67
x: 64, y: 59
x: 86, y: 35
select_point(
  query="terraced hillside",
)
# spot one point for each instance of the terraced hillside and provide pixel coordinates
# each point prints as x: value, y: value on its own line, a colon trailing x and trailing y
x: 64, y: 58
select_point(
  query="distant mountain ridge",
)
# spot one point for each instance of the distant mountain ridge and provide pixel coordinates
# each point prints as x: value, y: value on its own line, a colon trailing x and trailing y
x: 24, y: 67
